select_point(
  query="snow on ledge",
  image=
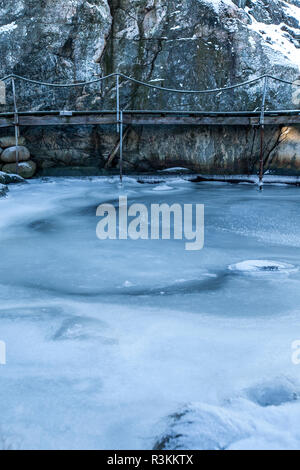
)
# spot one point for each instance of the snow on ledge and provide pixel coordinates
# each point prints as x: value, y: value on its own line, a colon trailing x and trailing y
x: 275, y: 38
x: 7, y: 28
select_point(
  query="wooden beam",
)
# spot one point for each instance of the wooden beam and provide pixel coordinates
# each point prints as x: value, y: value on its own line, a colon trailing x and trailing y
x: 6, y: 122
x: 77, y: 119
x: 115, y: 149
x: 171, y: 120
x: 150, y: 118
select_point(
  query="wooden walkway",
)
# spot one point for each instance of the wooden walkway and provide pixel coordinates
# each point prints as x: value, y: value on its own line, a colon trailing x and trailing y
x: 148, y: 117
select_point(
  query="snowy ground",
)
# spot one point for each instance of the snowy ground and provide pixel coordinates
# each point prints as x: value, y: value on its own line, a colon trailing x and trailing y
x: 134, y: 344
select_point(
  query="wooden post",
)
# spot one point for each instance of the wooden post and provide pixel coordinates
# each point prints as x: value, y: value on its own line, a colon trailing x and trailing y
x: 16, y: 123
x: 262, y: 134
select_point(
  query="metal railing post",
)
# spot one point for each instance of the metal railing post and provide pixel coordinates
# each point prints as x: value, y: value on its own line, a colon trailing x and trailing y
x: 262, y: 133
x: 16, y: 123
x: 118, y: 100
x: 121, y: 146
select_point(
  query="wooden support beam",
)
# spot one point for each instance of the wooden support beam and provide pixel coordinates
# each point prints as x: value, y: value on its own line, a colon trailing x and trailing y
x: 115, y: 149
x: 50, y: 120
x: 150, y: 118
x: 171, y: 120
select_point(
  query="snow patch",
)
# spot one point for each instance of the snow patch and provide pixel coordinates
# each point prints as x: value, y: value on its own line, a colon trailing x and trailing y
x: 7, y: 28
x: 275, y: 37
x: 292, y: 10
x: 162, y: 187
x: 241, y: 423
x: 175, y: 169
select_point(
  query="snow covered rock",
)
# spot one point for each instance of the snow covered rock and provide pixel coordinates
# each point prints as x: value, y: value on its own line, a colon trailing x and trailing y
x: 3, y: 190
x: 262, y: 266
x: 6, y: 178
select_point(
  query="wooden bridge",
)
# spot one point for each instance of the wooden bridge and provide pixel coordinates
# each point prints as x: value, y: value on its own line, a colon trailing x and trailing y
x: 123, y: 117
x: 160, y: 117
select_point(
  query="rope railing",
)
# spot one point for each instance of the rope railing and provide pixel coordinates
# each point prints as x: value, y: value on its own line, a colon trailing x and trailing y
x: 57, y: 85
x: 149, y: 85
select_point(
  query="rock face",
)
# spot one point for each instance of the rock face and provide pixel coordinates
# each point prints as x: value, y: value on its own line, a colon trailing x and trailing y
x: 192, y: 44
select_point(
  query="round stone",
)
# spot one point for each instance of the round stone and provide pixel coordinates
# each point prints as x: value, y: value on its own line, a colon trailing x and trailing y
x: 25, y: 169
x: 9, y: 155
x: 10, y: 141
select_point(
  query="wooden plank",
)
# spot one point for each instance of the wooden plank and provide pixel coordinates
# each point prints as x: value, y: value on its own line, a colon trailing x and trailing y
x: 148, y: 119
x: 186, y: 120
x: 50, y: 120
x: 6, y: 122
x: 282, y: 120
x: 208, y: 120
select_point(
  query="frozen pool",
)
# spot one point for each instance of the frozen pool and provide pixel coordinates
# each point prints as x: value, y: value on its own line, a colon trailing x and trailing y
x: 140, y: 344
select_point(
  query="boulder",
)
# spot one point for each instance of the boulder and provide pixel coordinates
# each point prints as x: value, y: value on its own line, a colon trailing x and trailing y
x: 9, y: 154
x: 7, y: 178
x: 10, y: 141
x: 26, y: 169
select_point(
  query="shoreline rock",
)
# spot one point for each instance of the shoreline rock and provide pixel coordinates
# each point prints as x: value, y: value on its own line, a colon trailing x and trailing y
x: 3, y: 190
x: 9, y: 155
x: 10, y: 141
x: 10, y: 178
x: 25, y: 169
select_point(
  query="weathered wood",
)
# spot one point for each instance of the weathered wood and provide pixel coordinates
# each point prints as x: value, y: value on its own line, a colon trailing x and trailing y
x: 171, y: 120
x: 149, y: 118
x: 282, y: 120
x: 6, y: 122
x: 50, y: 120
x: 115, y: 149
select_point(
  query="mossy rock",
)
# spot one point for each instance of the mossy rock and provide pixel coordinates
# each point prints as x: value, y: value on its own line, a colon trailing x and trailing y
x: 10, y: 141
x: 25, y: 169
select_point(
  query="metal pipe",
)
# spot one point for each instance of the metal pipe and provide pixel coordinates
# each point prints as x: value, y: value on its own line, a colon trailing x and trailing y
x: 121, y: 146
x: 16, y: 122
x: 57, y: 85
x: 118, y: 101
x: 262, y: 133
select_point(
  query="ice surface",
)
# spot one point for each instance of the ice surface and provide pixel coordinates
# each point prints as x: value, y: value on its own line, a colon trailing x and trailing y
x: 106, y: 340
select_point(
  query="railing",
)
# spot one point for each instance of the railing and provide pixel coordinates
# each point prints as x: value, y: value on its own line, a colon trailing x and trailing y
x: 119, y: 112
